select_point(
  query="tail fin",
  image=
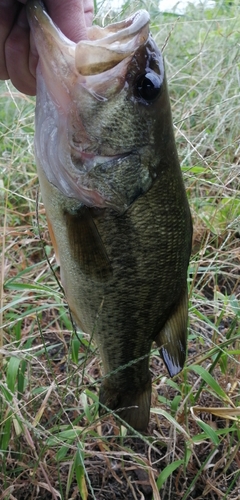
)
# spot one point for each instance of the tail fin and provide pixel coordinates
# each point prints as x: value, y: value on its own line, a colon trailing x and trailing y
x: 131, y: 406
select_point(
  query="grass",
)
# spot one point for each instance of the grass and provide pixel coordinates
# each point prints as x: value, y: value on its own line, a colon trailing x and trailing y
x: 52, y: 442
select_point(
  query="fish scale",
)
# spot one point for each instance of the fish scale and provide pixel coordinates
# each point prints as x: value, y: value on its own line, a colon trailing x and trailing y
x: 115, y: 201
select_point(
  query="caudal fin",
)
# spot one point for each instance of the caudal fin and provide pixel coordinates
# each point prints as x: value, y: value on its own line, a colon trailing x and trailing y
x: 131, y: 406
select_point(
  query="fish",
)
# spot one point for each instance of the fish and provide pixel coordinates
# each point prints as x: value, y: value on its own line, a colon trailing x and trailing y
x: 115, y: 201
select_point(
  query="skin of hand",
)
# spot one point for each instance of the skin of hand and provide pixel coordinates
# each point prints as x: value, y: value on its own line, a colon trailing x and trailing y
x: 18, y: 55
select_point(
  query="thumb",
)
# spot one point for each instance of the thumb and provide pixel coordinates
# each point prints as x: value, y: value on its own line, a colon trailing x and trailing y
x: 72, y: 17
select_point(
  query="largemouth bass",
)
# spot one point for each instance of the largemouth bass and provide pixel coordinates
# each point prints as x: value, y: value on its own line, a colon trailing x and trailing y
x: 115, y: 201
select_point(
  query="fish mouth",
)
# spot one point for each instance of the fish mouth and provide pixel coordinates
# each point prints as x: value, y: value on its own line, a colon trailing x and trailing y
x: 72, y: 80
x: 63, y: 61
x: 107, y: 47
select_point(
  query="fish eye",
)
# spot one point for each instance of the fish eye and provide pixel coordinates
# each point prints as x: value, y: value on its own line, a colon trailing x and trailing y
x: 149, y: 86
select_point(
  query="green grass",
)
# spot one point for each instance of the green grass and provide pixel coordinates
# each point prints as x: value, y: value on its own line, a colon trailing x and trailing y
x: 52, y: 442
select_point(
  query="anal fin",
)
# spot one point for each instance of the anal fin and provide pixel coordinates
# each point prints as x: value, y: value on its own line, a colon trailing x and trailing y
x: 172, y: 338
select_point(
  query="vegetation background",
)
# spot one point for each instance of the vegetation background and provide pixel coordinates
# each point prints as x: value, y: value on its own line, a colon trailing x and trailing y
x: 52, y: 443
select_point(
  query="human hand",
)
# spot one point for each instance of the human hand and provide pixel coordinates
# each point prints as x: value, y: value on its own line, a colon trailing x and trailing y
x: 18, y: 54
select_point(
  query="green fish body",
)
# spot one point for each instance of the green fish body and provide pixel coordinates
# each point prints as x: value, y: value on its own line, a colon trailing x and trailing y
x: 115, y: 201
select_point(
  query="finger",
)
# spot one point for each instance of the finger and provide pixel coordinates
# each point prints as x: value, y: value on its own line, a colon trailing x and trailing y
x: 8, y: 12
x: 17, y: 48
x: 70, y: 17
x: 88, y: 12
x: 33, y: 56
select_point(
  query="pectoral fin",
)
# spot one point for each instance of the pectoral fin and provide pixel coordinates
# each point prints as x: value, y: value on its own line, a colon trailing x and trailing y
x: 53, y: 240
x: 172, y: 338
x: 86, y: 245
